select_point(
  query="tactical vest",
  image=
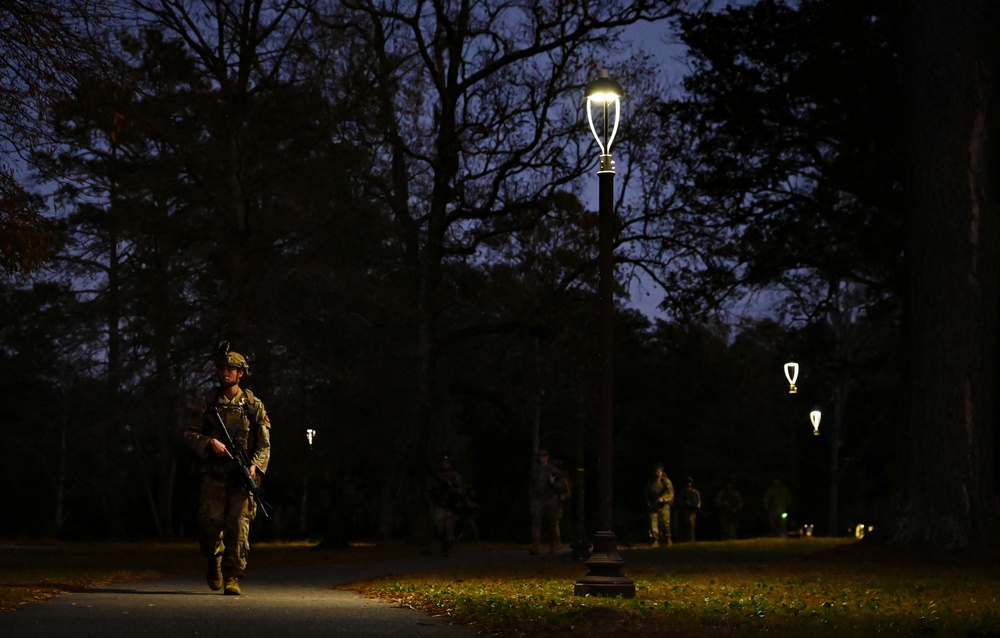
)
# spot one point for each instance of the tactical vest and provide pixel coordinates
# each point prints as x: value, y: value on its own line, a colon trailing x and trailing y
x: 240, y: 419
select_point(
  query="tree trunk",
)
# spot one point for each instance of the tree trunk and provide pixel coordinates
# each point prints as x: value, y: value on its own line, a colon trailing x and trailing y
x: 946, y: 489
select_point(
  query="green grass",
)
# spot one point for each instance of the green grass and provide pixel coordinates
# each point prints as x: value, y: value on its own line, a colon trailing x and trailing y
x: 803, y: 587
x: 807, y: 587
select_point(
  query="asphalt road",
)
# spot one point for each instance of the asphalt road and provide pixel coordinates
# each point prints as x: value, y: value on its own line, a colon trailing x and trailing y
x: 286, y: 601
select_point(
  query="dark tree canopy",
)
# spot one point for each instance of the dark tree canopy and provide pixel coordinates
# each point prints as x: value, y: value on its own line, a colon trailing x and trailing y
x: 786, y: 144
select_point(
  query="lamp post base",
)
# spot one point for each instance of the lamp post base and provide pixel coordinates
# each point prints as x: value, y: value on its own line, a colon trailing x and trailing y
x: 605, y: 577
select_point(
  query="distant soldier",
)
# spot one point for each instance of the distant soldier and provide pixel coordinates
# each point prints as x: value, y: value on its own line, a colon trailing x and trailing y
x: 659, y: 500
x: 225, y: 508
x: 548, y: 487
x: 777, y: 498
x: 729, y: 502
x: 689, y: 506
x: 449, y: 502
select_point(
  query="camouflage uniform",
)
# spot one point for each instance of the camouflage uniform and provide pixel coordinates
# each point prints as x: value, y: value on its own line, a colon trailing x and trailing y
x: 659, y: 499
x: 449, y: 500
x: 729, y: 502
x: 225, y: 509
x: 548, y: 484
x: 689, y: 506
x: 777, y: 499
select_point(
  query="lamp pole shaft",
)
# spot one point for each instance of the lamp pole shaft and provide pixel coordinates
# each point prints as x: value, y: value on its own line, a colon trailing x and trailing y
x: 605, y: 576
x: 605, y: 293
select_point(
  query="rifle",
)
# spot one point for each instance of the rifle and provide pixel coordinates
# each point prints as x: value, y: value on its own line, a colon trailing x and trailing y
x: 236, y: 452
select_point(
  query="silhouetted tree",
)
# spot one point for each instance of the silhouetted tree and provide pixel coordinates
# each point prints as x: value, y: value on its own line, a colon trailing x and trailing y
x: 946, y: 489
x: 42, y: 44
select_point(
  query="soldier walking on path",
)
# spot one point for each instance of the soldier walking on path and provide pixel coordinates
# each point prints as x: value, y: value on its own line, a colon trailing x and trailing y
x: 548, y: 485
x: 226, y: 508
x: 777, y: 498
x: 659, y: 500
x: 689, y: 506
x: 449, y: 502
x: 729, y: 502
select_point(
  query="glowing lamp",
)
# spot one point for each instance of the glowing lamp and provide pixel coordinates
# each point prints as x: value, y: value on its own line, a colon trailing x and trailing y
x: 603, y: 93
x: 814, y: 418
x: 792, y: 374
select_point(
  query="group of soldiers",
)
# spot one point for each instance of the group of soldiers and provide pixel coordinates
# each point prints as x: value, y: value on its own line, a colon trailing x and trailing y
x: 549, y: 489
x: 661, y: 499
x: 453, y: 505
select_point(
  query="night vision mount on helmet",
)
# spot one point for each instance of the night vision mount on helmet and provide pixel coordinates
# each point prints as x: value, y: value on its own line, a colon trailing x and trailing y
x: 226, y: 357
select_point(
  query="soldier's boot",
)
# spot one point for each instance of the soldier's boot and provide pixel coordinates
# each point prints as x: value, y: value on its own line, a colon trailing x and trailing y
x: 669, y: 542
x: 233, y: 586
x: 213, y: 575
x: 534, y: 548
x: 655, y: 543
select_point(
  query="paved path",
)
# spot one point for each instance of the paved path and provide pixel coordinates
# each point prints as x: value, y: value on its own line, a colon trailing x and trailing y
x: 285, y: 601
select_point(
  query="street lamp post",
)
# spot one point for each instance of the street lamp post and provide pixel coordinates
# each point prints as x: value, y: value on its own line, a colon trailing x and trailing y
x: 605, y: 576
x: 304, y: 514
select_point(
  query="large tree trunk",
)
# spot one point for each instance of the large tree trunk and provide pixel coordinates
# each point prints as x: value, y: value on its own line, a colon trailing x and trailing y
x: 946, y: 489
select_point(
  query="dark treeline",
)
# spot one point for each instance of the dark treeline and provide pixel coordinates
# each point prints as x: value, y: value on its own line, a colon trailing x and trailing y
x: 381, y: 205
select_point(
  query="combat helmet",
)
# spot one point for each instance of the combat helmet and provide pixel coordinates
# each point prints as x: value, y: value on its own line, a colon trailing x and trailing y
x: 226, y: 357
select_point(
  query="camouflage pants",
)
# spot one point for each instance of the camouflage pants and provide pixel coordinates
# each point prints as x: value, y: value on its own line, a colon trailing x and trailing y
x: 659, y: 524
x: 444, y: 523
x: 224, y: 516
x: 545, y: 517
x: 688, y: 520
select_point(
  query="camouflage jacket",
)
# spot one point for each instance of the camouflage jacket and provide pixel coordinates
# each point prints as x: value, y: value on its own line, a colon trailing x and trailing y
x: 447, y: 489
x: 548, y: 483
x: 657, y: 489
x: 246, y: 421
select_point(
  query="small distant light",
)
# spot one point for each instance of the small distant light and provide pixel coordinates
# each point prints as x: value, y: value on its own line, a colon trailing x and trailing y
x: 310, y: 436
x: 814, y: 418
x: 784, y: 515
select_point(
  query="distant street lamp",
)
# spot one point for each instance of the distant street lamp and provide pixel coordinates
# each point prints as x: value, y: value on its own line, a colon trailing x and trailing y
x: 814, y: 418
x: 605, y: 577
x: 792, y: 374
x: 304, y: 513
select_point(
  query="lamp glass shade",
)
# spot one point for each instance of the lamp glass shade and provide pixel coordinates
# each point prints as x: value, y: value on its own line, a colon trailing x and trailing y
x: 791, y: 372
x: 604, y: 93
